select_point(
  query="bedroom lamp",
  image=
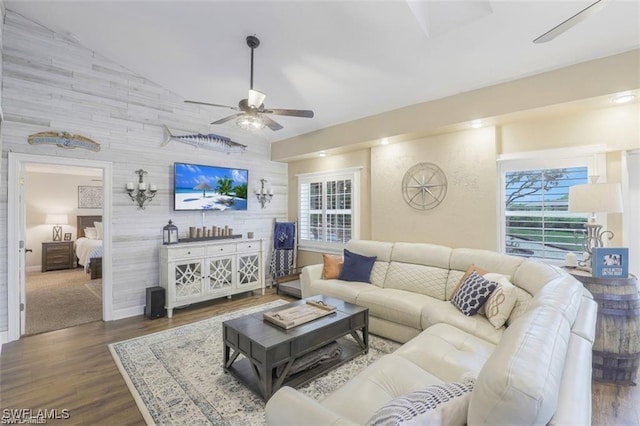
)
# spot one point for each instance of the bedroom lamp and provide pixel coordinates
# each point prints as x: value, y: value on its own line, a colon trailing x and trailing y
x: 57, y: 220
x: 595, y: 198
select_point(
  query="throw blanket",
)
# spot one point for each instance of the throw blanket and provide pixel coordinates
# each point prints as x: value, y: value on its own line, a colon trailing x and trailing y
x: 322, y: 355
x: 284, y: 235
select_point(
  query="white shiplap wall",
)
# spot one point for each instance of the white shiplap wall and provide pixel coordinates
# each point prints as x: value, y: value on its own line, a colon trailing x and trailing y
x: 53, y: 83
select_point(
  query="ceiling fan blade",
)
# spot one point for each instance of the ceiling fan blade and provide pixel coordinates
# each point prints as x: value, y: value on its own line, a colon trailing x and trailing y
x: 255, y: 98
x: 575, y: 19
x: 214, y: 105
x: 231, y: 117
x: 290, y: 112
x: 270, y: 123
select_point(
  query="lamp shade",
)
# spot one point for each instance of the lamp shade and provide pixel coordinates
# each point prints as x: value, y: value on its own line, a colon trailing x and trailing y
x: 595, y: 198
x: 57, y: 219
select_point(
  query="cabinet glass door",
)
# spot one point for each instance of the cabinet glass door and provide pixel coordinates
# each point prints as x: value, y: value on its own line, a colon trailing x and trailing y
x: 248, y: 269
x: 188, y: 279
x: 220, y: 274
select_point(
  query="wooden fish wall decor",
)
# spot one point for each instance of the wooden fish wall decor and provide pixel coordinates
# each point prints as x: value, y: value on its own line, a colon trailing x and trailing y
x: 211, y: 141
x: 63, y: 140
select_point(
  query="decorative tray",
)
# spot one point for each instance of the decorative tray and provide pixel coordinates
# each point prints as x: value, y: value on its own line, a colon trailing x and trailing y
x: 300, y: 314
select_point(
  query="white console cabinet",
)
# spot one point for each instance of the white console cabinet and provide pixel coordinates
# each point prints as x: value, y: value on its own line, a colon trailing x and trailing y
x: 198, y: 271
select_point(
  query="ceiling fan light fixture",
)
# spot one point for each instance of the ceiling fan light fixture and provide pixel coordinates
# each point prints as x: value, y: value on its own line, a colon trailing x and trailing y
x: 250, y: 122
x: 255, y: 98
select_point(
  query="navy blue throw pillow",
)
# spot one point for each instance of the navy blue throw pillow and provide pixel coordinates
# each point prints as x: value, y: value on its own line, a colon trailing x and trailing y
x: 356, y: 267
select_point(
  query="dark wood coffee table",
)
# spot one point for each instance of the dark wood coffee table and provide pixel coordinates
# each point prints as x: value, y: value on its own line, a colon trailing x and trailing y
x: 265, y: 346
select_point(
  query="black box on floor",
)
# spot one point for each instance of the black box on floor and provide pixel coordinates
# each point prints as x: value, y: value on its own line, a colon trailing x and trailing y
x: 155, y: 303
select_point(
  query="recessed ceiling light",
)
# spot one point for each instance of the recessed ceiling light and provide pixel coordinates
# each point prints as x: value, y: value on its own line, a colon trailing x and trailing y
x: 623, y: 99
x: 476, y: 124
x: 384, y: 141
x: 322, y: 153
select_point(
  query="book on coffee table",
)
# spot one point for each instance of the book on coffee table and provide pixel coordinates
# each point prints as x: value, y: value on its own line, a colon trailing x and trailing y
x: 298, y: 315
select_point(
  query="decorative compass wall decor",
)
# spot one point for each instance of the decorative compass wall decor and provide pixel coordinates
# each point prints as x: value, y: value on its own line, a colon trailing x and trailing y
x: 424, y: 186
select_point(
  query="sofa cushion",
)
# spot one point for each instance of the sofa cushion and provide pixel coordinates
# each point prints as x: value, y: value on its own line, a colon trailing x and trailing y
x: 519, y: 384
x: 447, y: 351
x: 427, y: 280
x: 356, y: 267
x: 343, y: 290
x: 421, y: 254
x: 380, y: 249
x: 501, y: 302
x: 490, y: 261
x: 438, y: 312
x: 440, y: 404
x: 398, y: 306
x: 387, y: 378
x: 332, y: 265
x: 473, y: 293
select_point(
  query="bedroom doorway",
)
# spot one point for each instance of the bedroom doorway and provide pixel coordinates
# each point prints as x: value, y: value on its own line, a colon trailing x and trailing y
x: 61, y: 290
x: 55, y: 272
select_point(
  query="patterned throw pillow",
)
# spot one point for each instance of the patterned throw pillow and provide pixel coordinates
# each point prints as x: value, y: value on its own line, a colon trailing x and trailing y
x: 501, y: 302
x: 446, y: 403
x: 468, y: 272
x: 472, y: 294
x: 332, y: 266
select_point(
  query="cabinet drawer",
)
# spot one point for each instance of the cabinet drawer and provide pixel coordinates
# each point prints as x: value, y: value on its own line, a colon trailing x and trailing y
x: 58, y: 250
x: 185, y: 252
x: 249, y: 246
x: 221, y: 249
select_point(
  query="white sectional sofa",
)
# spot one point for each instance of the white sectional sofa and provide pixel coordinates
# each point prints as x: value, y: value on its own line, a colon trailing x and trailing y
x: 536, y: 369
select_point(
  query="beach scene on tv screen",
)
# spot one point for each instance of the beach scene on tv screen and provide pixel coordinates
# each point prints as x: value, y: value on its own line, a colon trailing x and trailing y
x: 199, y: 187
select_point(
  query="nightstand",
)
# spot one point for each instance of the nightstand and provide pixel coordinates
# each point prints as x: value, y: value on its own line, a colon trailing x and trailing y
x: 57, y: 255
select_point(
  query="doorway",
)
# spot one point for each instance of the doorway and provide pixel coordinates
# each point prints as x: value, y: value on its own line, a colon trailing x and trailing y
x: 59, y: 289
x: 17, y: 233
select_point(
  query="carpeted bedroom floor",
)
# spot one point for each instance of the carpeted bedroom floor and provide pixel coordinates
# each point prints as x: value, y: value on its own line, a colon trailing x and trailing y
x: 61, y: 299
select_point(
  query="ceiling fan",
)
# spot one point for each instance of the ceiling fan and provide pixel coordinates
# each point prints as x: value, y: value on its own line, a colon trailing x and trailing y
x: 252, y: 115
x: 575, y: 19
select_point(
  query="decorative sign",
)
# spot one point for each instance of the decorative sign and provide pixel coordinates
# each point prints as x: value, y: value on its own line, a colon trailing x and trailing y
x: 89, y: 197
x: 63, y: 140
x: 610, y: 262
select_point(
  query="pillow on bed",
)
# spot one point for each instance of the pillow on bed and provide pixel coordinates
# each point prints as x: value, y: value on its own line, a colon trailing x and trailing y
x: 91, y: 233
x: 98, y: 226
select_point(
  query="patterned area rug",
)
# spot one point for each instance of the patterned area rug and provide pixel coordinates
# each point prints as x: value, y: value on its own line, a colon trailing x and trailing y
x: 176, y: 375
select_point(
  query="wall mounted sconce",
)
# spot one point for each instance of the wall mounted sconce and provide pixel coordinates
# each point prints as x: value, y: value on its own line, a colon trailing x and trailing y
x: 264, y: 195
x: 142, y: 193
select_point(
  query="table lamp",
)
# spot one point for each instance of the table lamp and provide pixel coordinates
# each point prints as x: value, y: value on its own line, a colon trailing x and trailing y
x: 595, y: 198
x: 57, y: 220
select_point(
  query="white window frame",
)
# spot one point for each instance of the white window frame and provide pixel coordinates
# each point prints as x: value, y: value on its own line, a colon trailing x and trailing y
x: 593, y: 157
x: 352, y: 174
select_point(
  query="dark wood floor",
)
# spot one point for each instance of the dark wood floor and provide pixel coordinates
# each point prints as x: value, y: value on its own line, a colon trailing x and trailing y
x: 72, y: 369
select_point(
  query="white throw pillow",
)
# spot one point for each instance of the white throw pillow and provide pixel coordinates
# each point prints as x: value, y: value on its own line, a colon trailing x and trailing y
x: 98, y: 226
x: 441, y: 404
x: 501, y: 302
x: 91, y: 233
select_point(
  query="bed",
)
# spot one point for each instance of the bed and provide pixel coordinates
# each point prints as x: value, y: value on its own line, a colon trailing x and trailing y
x: 88, y: 249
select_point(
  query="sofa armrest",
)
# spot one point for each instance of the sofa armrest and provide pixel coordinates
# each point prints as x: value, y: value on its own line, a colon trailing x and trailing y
x: 309, y: 273
x: 290, y: 407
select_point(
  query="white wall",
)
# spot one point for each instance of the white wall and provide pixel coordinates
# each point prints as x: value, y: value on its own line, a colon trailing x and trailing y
x: 53, y: 84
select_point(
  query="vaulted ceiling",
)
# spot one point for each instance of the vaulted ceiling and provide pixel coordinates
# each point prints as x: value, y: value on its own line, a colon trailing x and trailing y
x: 343, y: 59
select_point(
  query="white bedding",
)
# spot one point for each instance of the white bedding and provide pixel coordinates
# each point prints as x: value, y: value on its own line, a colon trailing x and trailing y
x: 84, y: 247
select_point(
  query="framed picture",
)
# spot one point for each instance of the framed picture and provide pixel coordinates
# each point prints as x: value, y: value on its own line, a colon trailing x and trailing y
x: 67, y: 236
x: 610, y: 262
x: 89, y: 197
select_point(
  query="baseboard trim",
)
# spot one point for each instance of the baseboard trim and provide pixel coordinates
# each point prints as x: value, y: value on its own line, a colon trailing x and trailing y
x: 36, y: 268
x: 127, y: 312
x: 4, y: 337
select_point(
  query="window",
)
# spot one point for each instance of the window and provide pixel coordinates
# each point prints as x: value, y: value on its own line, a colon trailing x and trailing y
x: 535, y: 221
x: 328, y: 209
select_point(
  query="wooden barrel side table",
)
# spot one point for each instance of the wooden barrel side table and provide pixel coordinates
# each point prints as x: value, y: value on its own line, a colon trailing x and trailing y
x: 616, y: 349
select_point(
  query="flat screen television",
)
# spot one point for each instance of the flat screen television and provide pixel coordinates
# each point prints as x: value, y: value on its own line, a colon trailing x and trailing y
x: 201, y: 187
